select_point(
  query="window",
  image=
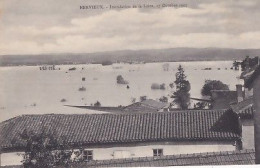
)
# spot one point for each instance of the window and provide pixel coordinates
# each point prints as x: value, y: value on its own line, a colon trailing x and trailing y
x: 157, y: 152
x: 87, y: 155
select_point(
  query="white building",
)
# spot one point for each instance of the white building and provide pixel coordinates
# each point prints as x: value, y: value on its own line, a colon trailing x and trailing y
x: 112, y: 136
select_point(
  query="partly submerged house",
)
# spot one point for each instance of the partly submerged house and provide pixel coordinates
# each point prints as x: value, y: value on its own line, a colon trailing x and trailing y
x: 148, y: 105
x: 114, y: 136
x: 222, y: 99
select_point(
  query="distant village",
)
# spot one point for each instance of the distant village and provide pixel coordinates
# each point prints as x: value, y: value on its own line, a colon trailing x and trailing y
x: 222, y: 127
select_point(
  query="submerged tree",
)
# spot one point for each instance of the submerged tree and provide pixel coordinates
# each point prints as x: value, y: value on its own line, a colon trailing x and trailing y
x: 133, y: 100
x: 143, y: 98
x: 236, y: 65
x: 163, y: 99
x: 166, y: 66
x: 121, y: 80
x: 212, y: 85
x: 181, y: 95
x: 97, y: 104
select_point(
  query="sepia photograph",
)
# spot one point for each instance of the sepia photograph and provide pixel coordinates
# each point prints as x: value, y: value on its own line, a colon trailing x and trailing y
x: 129, y: 83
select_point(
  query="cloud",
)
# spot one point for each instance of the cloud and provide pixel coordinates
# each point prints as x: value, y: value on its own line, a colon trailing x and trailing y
x: 222, y: 40
x: 206, y: 25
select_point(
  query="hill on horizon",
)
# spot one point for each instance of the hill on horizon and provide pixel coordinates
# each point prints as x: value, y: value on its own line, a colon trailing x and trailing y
x: 147, y: 55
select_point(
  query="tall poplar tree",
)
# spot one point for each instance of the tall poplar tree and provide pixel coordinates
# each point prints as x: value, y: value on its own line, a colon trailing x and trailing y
x: 181, y: 95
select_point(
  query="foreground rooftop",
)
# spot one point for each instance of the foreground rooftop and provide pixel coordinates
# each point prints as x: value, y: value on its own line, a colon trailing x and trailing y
x: 95, y: 129
x: 244, y: 109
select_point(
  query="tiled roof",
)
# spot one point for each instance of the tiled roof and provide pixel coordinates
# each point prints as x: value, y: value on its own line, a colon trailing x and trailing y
x: 244, y: 108
x: 154, y: 103
x: 85, y: 129
x: 139, y: 107
x: 252, y: 77
x: 148, y: 105
x: 245, y: 157
x: 247, y: 73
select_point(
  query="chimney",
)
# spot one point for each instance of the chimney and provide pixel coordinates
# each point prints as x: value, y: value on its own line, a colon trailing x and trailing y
x: 240, y: 96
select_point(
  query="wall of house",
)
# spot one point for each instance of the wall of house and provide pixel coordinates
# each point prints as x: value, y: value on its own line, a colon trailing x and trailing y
x: 12, y: 158
x: 248, y: 93
x: 257, y: 117
x: 140, y: 150
x: 248, y: 140
x: 146, y: 150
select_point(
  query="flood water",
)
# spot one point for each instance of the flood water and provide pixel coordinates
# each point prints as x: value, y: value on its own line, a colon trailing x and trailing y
x: 29, y: 90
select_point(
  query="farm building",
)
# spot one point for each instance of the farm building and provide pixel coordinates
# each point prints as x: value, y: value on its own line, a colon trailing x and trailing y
x: 115, y: 136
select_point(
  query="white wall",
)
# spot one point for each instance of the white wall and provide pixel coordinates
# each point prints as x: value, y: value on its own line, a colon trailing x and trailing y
x: 168, y: 149
x: 141, y: 150
x: 248, y: 138
x: 12, y: 158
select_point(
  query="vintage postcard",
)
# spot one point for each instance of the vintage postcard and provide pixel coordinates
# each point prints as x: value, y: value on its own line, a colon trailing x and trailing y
x: 129, y: 83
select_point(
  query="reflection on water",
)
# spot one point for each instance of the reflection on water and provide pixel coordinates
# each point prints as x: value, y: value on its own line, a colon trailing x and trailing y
x: 25, y: 90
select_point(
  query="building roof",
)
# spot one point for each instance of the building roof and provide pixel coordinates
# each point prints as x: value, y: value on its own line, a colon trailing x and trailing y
x: 94, y: 129
x: 101, y: 108
x: 244, y: 157
x: 221, y: 99
x: 249, y: 81
x: 148, y: 105
x: 244, y: 108
x: 205, y: 99
x: 247, y: 73
x: 153, y: 103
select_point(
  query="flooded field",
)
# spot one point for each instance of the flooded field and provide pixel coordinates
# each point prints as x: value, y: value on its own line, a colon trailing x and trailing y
x: 29, y: 90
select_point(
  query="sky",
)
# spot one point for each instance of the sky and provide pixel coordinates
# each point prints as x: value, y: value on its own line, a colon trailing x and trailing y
x: 48, y: 26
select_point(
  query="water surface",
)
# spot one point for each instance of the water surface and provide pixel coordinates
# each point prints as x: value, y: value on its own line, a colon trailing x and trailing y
x: 27, y: 90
